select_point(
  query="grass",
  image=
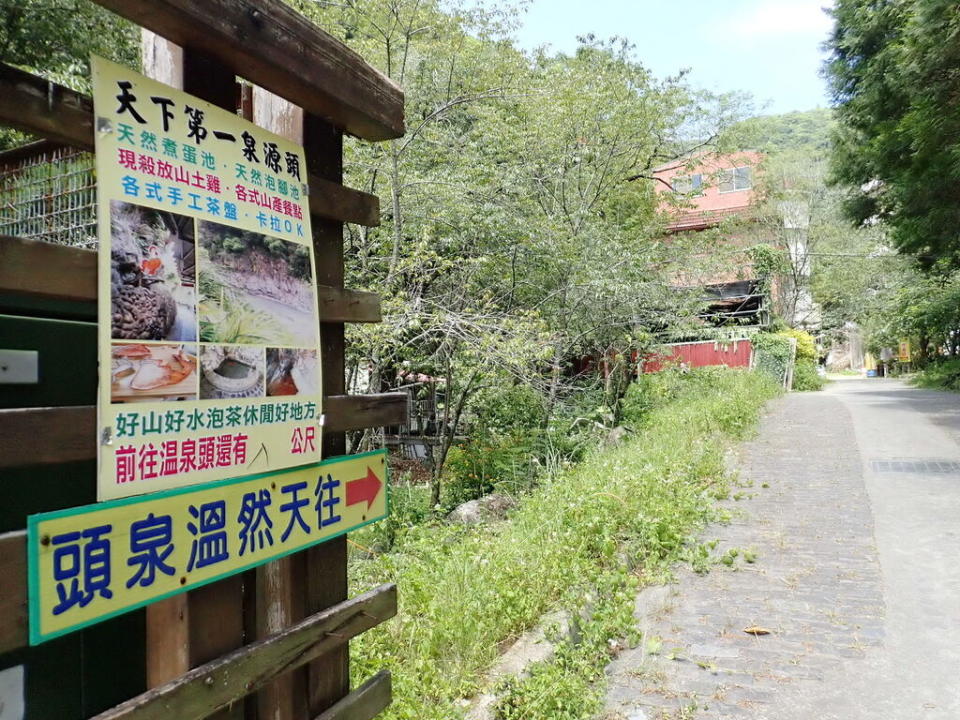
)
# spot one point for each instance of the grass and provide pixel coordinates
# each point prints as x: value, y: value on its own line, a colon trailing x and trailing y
x: 943, y: 375
x: 584, y: 541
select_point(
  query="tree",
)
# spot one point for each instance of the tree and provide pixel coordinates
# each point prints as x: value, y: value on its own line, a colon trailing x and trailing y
x: 808, y: 131
x: 513, y: 238
x: 893, y: 76
x: 55, y: 38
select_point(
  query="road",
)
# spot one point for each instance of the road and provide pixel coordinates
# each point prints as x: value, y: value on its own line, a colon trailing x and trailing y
x: 852, y: 512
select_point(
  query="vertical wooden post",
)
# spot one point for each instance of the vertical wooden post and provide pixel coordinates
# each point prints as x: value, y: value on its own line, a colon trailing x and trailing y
x: 216, y: 611
x: 280, y: 586
x: 190, y: 629
x: 168, y: 621
x: 168, y: 640
x: 161, y: 59
x: 326, y: 579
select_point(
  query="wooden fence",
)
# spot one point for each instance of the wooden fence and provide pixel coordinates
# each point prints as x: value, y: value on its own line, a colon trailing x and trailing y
x: 271, y: 642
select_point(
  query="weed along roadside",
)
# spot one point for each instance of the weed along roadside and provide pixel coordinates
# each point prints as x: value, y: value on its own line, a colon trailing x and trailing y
x: 584, y: 541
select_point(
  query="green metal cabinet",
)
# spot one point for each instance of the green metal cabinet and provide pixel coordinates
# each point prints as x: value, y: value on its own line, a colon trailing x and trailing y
x: 89, y: 671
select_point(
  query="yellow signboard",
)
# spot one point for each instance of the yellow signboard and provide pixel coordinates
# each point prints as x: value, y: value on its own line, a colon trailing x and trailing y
x: 208, y: 322
x: 904, y: 354
x: 91, y: 563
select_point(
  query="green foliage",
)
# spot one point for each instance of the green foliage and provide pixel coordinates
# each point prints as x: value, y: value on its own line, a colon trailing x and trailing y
x: 409, y: 509
x: 484, y: 463
x: 858, y: 278
x: 519, y: 227
x: 653, y: 391
x: 806, y: 377
x: 220, y: 241
x: 506, y: 410
x: 233, y: 322
x: 941, y: 375
x: 509, y: 448
x: 808, y: 131
x: 570, y: 686
x: 768, y: 260
x: 926, y: 310
x: 806, y: 345
x: 54, y: 39
x: 226, y: 320
x: 501, y: 449
x: 893, y: 76
x: 772, y: 355
x: 577, y: 542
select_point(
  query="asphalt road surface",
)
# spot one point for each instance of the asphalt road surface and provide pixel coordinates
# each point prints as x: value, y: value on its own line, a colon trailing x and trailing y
x: 851, y: 512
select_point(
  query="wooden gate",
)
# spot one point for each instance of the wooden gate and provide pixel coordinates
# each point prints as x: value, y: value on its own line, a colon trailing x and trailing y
x: 271, y: 642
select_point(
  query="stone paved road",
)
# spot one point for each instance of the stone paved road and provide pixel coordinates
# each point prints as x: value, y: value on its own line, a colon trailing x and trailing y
x: 853, y: 512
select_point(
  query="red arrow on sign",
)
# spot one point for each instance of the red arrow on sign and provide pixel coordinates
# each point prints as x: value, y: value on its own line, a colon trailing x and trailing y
x: 364, y: 489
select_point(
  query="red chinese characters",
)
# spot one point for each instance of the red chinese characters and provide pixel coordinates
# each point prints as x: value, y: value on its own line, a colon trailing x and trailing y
x: 178, y: 457
x: 267, y: 201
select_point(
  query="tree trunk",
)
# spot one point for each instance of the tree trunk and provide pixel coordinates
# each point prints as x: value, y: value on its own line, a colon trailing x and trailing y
x: 450, y: 432
x: 554, y: 389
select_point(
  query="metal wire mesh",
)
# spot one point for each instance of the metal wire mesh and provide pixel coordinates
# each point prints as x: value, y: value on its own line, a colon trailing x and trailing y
x: 50, y: 195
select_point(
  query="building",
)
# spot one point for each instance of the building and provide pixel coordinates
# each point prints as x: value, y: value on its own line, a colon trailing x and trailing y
x: 711, y: 191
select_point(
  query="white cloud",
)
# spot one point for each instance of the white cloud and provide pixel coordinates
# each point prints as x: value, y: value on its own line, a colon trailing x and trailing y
x: 777, y: 18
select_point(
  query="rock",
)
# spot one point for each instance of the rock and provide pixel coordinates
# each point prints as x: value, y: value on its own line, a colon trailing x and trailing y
x: 538, y: 645
x: 616, y: 436
x: 489, y: 508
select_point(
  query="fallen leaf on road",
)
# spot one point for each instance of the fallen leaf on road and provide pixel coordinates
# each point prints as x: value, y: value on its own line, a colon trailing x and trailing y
x: 756, y: 630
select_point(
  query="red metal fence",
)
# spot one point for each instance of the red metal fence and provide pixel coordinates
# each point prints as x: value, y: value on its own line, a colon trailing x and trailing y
x: 732, y: 353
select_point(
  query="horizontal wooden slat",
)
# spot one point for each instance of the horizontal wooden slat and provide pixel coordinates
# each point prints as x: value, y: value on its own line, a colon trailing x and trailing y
x: 44, y: 108
x: 25, y: 152
x: 347, y: 306
x: 274, y: 46
x: 356, y: 412
x: 213, y: 686
x: 44, y: 436
x: 39, y: 269
x: 337, y: 202
x: 365, y: 702
x: 13, y: 591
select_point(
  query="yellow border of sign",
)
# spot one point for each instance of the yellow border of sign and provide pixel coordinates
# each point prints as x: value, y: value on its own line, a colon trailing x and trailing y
x: 33, y: 539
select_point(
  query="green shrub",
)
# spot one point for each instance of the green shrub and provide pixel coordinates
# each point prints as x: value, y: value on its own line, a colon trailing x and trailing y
x: 409, y: 508
x: 506, y: 410
x: 943, y: 375
x: 652, y: 391
x: 806, y: 345
x: 655, y: 390
x: 806, y: 377
x: 772, y: 353
x: 488, y: 461
x: 502, y: 451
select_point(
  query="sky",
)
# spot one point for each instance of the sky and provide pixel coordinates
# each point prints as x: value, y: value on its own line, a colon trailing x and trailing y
x: 769, y: 48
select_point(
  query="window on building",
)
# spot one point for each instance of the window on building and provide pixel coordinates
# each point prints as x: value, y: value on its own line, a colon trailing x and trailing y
x: 688, y: 184
x: 740, y: 178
